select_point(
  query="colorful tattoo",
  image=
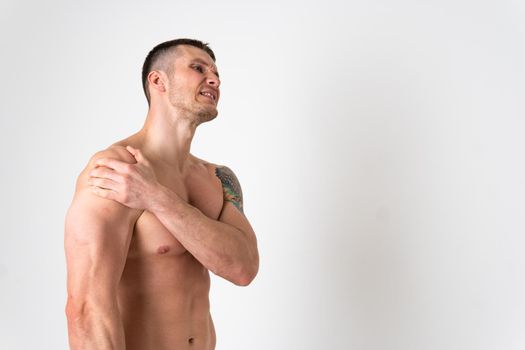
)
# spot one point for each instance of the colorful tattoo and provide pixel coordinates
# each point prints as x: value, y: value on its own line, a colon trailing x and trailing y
x: 230, y: 186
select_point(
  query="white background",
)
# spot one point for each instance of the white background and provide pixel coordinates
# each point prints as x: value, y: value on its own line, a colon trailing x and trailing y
x: 379, y: 145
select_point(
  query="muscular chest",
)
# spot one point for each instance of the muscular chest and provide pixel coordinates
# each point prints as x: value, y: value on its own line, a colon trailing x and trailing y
x: 201, y: 189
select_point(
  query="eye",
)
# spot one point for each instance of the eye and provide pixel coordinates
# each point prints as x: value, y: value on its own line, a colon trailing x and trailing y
x: 198, y: 68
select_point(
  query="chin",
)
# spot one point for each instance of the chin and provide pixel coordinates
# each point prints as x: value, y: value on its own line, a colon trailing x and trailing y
x: 207, y: 115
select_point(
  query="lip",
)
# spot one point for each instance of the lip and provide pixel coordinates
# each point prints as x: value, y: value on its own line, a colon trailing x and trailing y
x: 212, y: 92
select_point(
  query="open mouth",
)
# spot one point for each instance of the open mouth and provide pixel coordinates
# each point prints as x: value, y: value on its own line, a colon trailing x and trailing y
x: 209, y: 95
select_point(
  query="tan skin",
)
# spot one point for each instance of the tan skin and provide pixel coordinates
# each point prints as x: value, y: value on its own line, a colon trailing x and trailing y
x: 149, y: 221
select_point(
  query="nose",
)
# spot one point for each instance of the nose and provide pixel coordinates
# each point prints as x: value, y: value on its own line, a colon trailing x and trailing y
x: 213, y: 80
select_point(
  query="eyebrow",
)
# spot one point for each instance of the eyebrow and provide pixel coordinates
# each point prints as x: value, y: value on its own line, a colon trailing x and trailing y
x: 198, y: 60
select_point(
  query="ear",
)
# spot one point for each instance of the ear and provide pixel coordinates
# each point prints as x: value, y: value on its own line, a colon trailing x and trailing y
x: 157, y: 80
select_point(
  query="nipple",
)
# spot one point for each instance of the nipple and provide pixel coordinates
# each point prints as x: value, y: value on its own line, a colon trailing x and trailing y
x: 163, y: 249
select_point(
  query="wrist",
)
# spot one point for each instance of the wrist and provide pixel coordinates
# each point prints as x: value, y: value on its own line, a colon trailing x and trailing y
x: 158, y: 199
x: 163, y: 200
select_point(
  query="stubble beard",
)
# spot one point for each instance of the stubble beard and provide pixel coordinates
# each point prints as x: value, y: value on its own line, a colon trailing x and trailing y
x: 206, y: 114
x: 193, y: 109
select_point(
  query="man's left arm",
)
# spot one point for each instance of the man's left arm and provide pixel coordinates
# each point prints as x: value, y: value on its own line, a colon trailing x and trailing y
x: 227, y: 246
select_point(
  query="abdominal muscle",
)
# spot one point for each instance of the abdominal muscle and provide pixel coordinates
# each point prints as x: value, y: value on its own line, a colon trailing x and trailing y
x: 164, y: 293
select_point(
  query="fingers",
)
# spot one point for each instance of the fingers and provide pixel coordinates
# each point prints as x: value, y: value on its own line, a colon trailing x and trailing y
x: 105, y: 172
x: 119, y: 166
x: 114, y: 164
x: 103, y: 192
x: 137, y: 154
x: 134, y: 152
x: 102, y: 183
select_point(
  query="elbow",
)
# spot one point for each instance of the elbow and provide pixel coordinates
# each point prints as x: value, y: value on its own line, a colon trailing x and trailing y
x: 82, y: 309
x: 246, y: 275
x: 77, y: 315
x: 244, y: 281
x: 79, y: 309
x: 75, y: 309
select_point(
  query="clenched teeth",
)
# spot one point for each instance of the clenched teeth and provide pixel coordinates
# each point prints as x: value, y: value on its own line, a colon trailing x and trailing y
x: 208, y: 94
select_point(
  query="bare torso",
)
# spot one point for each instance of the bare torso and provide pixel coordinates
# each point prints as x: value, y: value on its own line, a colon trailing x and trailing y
x: 164, y: 291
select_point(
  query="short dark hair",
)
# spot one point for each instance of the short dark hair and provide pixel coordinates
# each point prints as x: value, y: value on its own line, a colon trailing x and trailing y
x: 161, y: 50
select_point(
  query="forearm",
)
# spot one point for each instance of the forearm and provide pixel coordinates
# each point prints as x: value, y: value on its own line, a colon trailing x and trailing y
x: 221, y: 248
x: 95, y: 328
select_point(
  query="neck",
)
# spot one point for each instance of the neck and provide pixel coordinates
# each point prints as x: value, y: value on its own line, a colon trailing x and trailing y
x: 166, y: 136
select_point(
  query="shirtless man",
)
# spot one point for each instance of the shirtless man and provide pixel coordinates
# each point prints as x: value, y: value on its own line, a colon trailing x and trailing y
x: 149, y: 220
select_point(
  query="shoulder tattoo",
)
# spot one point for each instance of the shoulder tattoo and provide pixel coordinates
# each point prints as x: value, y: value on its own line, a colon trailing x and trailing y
x: 230, y: 186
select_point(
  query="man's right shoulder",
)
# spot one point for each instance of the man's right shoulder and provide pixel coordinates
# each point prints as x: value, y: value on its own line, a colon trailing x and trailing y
x: 86, y: 203
x: 117, y: 152
x: 89, y: 217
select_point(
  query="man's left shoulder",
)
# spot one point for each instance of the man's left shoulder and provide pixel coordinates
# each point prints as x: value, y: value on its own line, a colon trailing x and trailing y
x: 226, y: 174
x: 218, y: 170
x: 231, y: 186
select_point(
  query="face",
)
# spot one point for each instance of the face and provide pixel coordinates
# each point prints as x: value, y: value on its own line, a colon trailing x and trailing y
x: 193, y: 84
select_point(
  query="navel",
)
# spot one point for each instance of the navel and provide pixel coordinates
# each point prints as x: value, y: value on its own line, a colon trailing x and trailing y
x: 163, y: 249
x: 191, y: 340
